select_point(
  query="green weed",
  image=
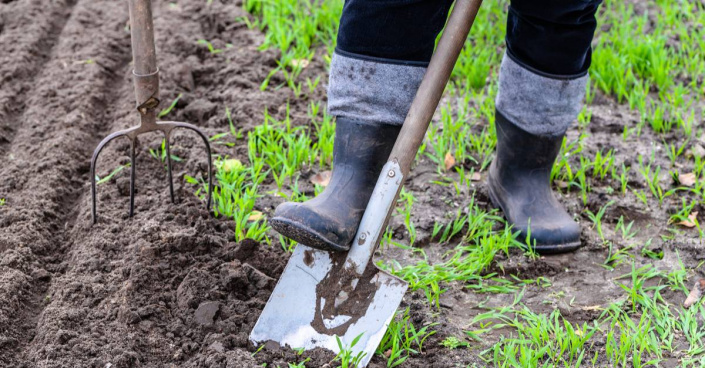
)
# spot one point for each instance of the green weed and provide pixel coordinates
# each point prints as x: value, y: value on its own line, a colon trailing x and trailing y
x: 346, y: 357
x: 402, y: 339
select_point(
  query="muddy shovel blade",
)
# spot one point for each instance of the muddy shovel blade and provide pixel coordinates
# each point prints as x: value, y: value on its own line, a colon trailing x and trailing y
x: 298, y: 313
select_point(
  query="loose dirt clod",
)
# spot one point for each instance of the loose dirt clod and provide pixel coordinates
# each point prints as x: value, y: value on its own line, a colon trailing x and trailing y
x: 205, y: 313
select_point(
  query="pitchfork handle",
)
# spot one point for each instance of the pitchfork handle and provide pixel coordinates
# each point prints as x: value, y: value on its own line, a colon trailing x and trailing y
x: 143, y: 51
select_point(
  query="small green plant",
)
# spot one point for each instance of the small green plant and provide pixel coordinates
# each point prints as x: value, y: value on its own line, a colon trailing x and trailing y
x: 451, y: 229
x: 674, y: 151
x: 626, y: 230
x: 452, y: 342
x: 653, y: 254
x: 211, y: 49
x: 602, y: 164
x: 161, y: 152
x: 622, y: 178
x: 295, y: 28
x: 107, y: 178
x: 596, y: 218
x: 258, y: 350
x: 616, y: 257
x: 346, y: 357
x: 653, y: 179
x: 402, y: 339
x: 168, y: 109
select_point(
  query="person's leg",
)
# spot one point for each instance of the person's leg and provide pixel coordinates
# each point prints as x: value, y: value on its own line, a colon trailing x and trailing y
x: 383, y: 49
x: 382, y: 53
x: 541, y: 87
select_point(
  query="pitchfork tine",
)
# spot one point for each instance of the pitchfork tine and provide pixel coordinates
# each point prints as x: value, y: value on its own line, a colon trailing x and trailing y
x: 208, y: 151
x: 133, y: 170
x: 168, y: 165
x: 94, y: 160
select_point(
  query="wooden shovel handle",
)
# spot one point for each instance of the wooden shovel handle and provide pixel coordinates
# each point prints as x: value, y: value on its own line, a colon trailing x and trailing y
x: 434, y: 82
x: 429, y: 94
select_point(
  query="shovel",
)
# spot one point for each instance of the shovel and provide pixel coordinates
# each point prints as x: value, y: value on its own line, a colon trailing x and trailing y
x: 340, y: 301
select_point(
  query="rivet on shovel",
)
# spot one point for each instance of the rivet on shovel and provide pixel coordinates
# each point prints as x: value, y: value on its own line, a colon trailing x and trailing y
x: 146, y: 81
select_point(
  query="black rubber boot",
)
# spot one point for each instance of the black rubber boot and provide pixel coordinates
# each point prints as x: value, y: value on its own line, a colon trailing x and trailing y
x: 519, y: 183
x: 330, y: 220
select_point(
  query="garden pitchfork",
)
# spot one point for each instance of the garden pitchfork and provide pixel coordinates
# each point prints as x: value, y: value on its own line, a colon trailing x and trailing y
x: 146, y: 80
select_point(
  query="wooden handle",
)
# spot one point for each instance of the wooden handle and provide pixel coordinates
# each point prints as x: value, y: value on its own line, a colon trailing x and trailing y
x: 434, y: 82
x: 142, y: 29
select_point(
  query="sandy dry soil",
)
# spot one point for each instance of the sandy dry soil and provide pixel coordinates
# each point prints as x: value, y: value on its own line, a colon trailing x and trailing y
x: 170, y: 287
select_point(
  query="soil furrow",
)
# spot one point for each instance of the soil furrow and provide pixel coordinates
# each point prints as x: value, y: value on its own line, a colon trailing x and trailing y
x: 136, y: 286
x: 51, y: 148
x: 30, y: 31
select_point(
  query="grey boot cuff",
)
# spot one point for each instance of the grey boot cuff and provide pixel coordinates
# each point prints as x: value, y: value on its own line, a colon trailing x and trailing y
x: 372, y: 91
x: 538, y: 104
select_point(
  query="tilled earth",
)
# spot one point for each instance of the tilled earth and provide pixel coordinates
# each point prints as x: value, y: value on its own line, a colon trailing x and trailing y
x: 171, y: 287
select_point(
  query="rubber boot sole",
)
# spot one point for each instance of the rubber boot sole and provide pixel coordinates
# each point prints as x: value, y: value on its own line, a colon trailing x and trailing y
x: 543, y: 249
x: 304, y: 235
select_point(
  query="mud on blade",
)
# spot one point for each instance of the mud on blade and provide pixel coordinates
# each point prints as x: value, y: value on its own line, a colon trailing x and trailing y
x: 301, y: 312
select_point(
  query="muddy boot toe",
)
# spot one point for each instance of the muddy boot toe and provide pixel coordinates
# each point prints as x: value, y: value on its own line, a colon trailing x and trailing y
x: 300, y: 222
x: 330, y: 220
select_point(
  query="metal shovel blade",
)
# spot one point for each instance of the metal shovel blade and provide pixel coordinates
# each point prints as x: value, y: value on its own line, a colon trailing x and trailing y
x: 301, y: 312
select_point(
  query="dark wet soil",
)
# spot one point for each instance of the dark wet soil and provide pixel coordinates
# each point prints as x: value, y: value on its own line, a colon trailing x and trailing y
x: 170, y: 287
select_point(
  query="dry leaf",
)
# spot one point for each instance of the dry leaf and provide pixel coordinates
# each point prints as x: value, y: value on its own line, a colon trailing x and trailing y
x: 696, y: 151
x: 302, y: 63
x: 255, y: 216
x: 449, y: 161
x: 476, y: 176
x: 561, y: 184
x: 322, y: 178
x: 231, y: 165
x: 690, y: 222
x: 687, y: 179
x: 695, y: 294
x: 592, y: 308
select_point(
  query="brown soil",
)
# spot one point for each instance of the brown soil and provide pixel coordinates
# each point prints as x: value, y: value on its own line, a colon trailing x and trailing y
x: 170, y: 287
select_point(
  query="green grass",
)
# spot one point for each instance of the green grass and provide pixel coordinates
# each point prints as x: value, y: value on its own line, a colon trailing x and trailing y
x: 277, y: 151
x: 465, y: 263
x: 164, y: 112
x: 346, y: 357
x: 402, y: 339
x: 297, y: 29
x: 107, y: 178
x: 639, y: 331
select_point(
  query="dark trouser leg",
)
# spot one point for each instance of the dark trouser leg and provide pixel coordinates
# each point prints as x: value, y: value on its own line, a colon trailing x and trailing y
x: 543, y: 74
x: 541, y: 88
x: 383, y: 49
